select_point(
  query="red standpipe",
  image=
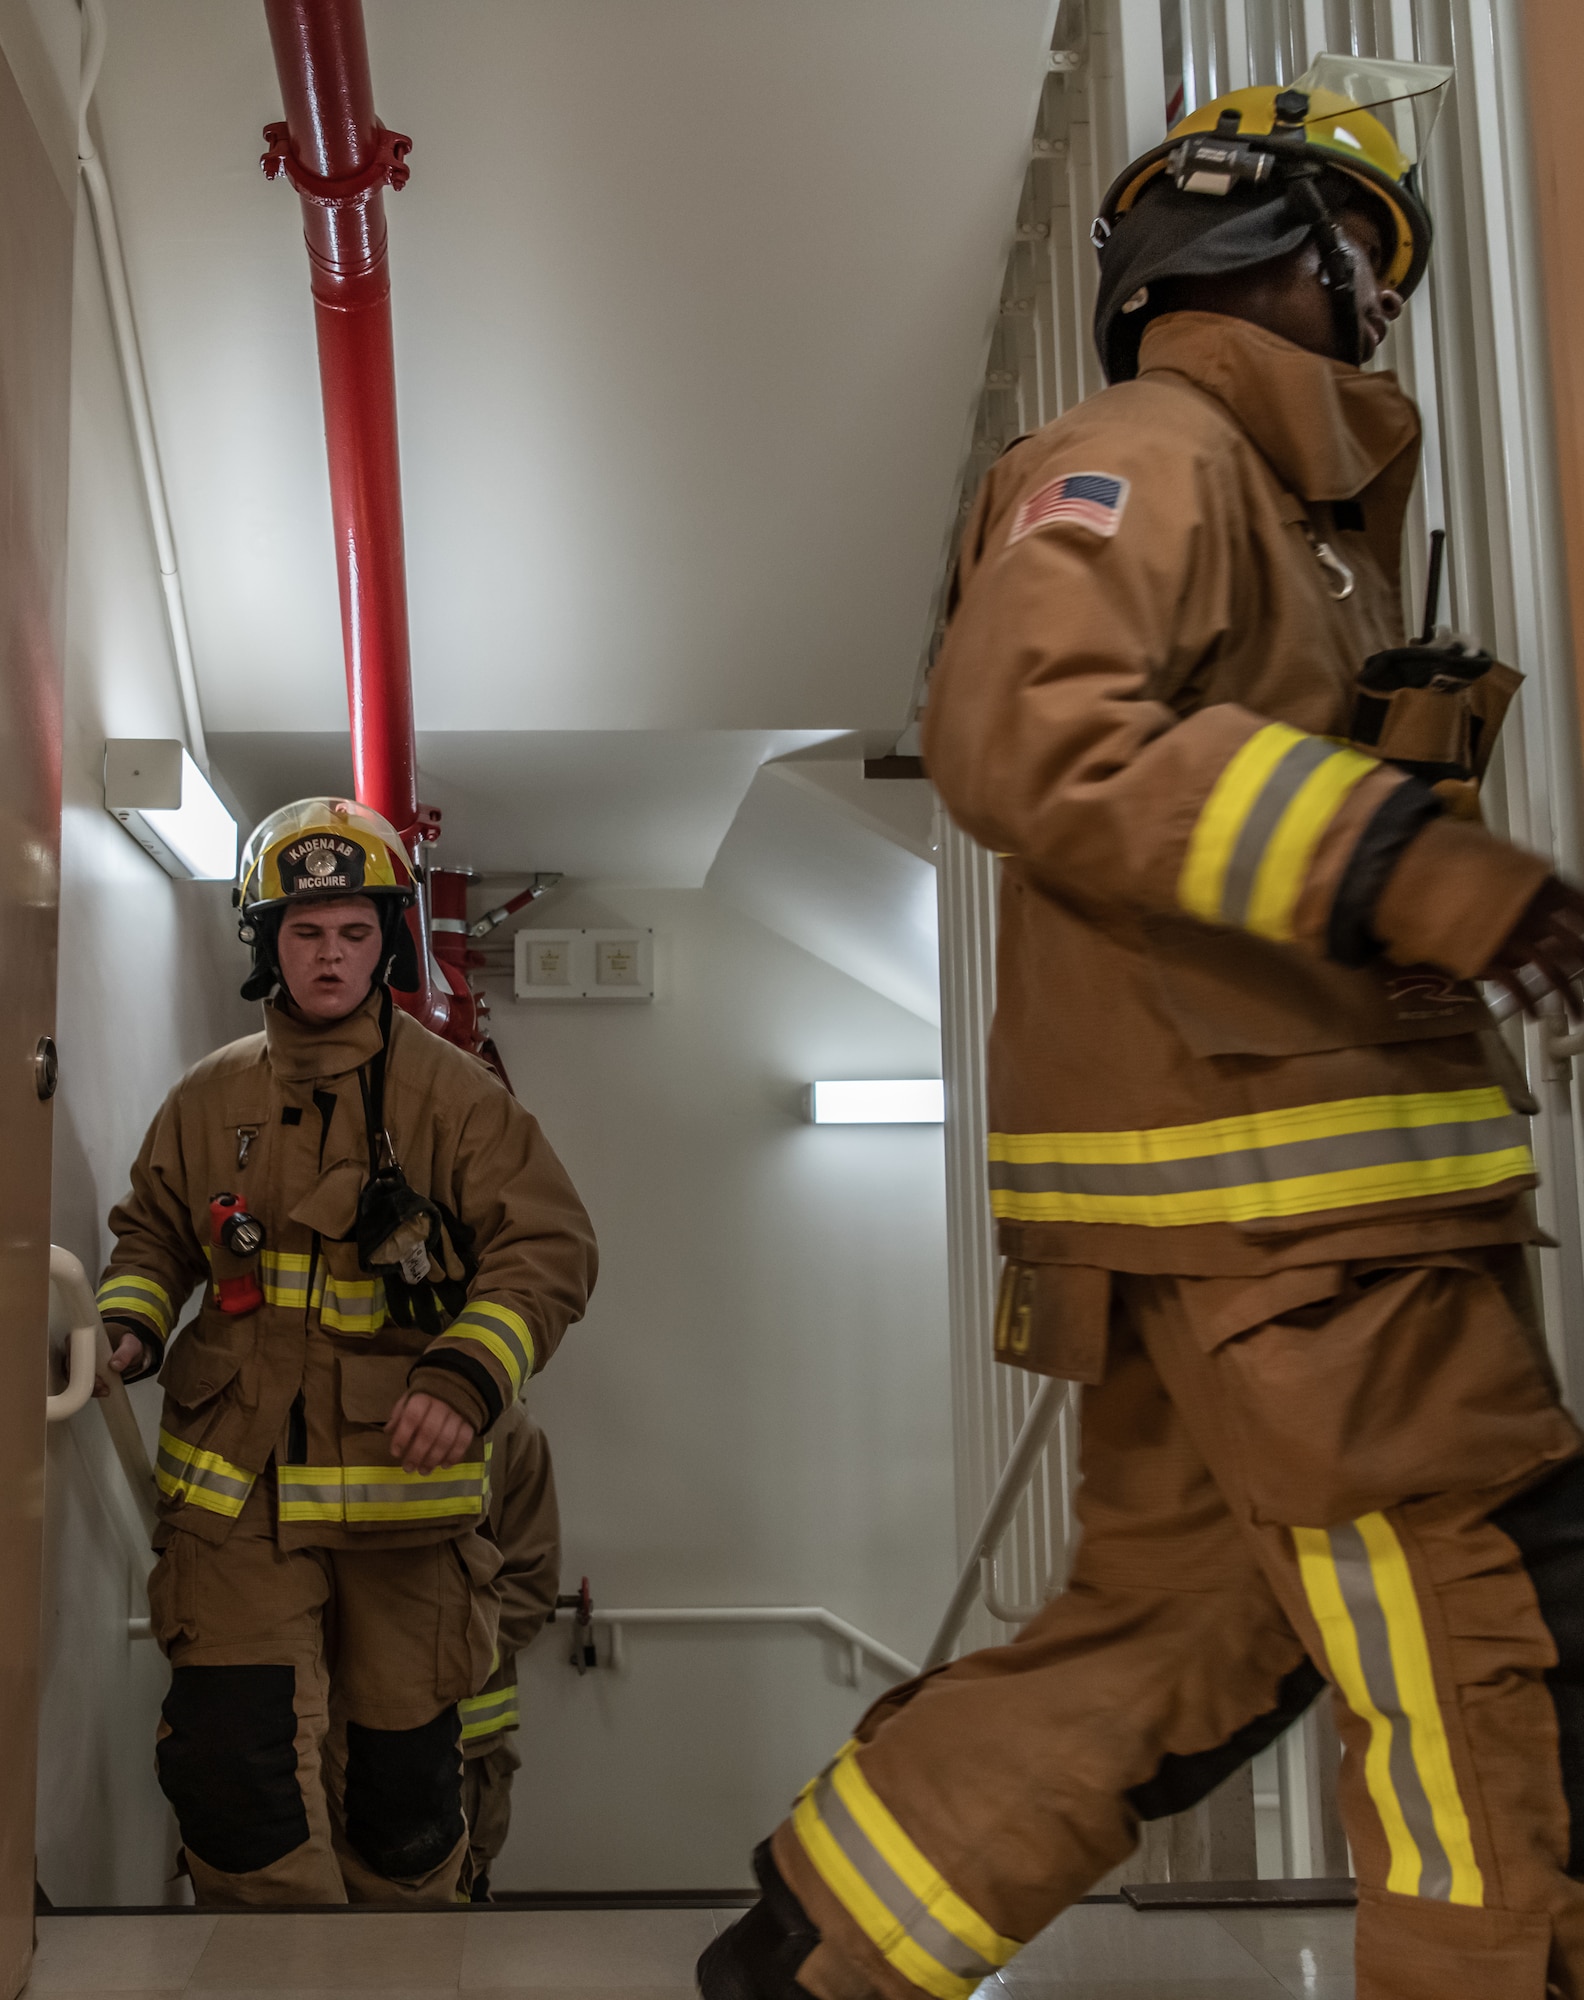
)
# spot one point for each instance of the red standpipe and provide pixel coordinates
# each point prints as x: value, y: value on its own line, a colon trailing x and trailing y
x: 339, y: 158
x: 451, y: 932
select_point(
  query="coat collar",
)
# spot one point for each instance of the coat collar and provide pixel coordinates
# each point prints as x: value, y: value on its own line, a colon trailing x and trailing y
x: 302, y: 1053
x: 1328, y: 430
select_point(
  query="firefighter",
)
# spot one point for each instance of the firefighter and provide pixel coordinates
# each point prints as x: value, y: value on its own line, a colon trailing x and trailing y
x: 388, y: 1248
x: 1256, y: 1156
x: 526, y: 1527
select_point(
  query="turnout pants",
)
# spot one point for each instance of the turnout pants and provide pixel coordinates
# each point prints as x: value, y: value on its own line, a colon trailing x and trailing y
x: 1355, y: 1473
x: 265, y: 1645
x: 487, y: 1776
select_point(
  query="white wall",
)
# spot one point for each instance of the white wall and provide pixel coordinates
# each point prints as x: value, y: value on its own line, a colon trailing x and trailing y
x: 757, y: 1409
x: 148, y: 976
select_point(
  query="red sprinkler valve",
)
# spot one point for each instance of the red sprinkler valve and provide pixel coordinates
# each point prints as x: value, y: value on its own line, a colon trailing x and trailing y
x: 241, y: 1235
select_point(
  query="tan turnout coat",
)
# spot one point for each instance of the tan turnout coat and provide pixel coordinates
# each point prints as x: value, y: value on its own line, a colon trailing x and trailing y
x: 1148, y: 719
x: 305, y: 1384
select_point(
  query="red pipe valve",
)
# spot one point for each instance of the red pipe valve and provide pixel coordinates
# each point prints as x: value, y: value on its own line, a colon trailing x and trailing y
x: 241, y: 1235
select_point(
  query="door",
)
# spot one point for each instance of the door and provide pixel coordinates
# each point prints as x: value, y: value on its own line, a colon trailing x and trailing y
x: 35, y: 361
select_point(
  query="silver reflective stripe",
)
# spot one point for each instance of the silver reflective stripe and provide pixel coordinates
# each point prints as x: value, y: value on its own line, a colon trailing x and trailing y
x: 174, y: 1477
x: 1293, y: 1159
x: 388, y: 1494
x: 301, y: 1493
x: 490, y: 1707
x: 1380, y: 1677
x: 1280, y: 789
x: 893, y: 1892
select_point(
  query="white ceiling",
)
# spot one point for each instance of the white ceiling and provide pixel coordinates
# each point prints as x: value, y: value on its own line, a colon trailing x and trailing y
x: 692, y: 299
x: 691, y: 304
x: 602, y: 805
x: 829, y: 873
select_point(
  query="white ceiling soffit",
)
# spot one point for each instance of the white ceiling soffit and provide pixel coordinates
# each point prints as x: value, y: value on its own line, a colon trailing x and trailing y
x: 806, y: 866
x: 600, y: 805
x: 692, y: 300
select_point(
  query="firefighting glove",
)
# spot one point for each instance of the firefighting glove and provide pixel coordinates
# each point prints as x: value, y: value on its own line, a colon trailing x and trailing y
x: 395, y: 1227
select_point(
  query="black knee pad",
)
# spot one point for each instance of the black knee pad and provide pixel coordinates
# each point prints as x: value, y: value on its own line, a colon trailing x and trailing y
x: 1546, y: 1521
x: 229, y: 1765
x: 404, y: 1795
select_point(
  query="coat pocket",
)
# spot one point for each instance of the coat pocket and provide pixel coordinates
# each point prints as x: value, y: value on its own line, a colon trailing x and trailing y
x: 202, y: 1364
x: 1349, y: 1390
x: 371, y: 1387
x: 348, y: 1300
x: 1052, y: 1318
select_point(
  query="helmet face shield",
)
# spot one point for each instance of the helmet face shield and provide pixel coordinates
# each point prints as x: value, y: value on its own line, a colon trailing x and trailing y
x: 1405, y: 97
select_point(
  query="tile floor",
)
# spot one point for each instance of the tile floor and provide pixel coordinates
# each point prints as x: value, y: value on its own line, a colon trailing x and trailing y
x: 1102, y: 1951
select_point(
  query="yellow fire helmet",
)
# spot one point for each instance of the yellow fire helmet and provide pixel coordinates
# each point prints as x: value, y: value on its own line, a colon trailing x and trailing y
x: 1254, y: 174
x: 323, y: 847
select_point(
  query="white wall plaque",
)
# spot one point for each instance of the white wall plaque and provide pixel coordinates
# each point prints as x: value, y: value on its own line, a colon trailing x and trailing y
x: 585, y: 965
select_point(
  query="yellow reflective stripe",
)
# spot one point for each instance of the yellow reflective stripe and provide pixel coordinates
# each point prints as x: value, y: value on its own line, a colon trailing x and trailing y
x: 1300, y: 1160
x: 501, y: 1332
x: 129, y: 1292
x: 1317, y: 1570
x: 1253, y: 844
x: 350, y: 1305
x: 200, y: 1478
x: 1309, y: 1194
x: 1253, y: 1128
x: 489, y: 1714
x: 868, y: 1912
x: 1221, y: 819
x: 1360, y: 1591
x: 1432, y: 1753
x: 1284, y: 867
x: 382, y: 1492
x: 911, y: 1866
x: 283, y: 1275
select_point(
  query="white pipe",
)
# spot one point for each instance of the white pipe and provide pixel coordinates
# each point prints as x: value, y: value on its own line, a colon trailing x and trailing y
x: 69, y: 1279
x: 756, y: 1614
x: 113, y: 264
x: 1019, y: 1470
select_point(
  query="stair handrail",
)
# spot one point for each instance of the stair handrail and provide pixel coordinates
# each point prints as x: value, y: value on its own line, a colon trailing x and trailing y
x: 977, y: 1577
x: 89, y: 1353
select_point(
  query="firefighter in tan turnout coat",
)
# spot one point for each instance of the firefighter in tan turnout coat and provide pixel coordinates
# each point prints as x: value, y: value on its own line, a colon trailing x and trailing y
x: 389, y: 1248
x: 1257, y: 1155
x: 525, y: 1526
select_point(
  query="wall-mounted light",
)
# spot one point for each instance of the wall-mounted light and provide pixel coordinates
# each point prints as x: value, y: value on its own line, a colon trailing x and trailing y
x: 913, y: 1100
x: 157, y: 792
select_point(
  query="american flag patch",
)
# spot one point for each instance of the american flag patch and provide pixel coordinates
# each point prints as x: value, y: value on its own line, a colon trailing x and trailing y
x: 1092, y: 500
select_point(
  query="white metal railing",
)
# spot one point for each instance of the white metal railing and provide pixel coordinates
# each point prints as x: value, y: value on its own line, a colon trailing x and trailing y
x: 82, y: 1343
x: 859, y: 1644
x: 978, y: 1576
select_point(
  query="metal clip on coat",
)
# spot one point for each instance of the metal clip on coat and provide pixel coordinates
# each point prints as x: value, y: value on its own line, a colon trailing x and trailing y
x: 240, y: 1235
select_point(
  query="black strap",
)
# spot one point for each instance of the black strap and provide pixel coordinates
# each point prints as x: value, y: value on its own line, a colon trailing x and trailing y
x: 371, y: 1082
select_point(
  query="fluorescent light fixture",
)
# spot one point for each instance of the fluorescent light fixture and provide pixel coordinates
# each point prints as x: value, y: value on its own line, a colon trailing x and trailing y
x: 157, y: 792
x: 914, y: 1100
